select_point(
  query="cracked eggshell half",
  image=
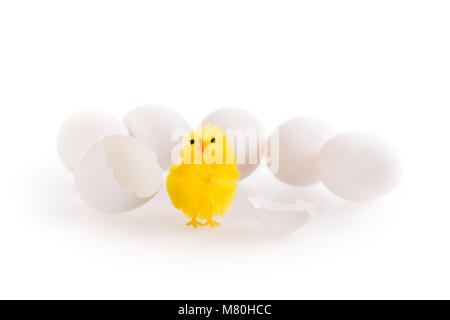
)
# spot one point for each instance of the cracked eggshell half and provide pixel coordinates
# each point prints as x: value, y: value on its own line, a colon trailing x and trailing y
x: 161, y: 128
x: 118, y: 174
x: 281, y: 217
x: 81, y: 130
x: 248, y: 148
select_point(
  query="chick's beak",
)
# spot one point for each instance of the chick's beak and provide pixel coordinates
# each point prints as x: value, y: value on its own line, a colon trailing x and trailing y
x: 200, y: 145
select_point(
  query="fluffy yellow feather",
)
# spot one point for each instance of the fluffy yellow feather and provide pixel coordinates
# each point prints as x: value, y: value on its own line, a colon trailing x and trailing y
x: 204, y: 183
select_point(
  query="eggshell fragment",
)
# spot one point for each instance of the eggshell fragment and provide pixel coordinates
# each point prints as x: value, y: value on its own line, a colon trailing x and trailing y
x: 293, y: 148
x: 81, y: 130
x: 249, y: 149
x: 161, y: 128
x: 118, y: 174
x: 281, y: 217
x: 358, y: 166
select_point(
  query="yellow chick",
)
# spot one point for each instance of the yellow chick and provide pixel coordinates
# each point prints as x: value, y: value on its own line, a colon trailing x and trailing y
x: 204, y: 183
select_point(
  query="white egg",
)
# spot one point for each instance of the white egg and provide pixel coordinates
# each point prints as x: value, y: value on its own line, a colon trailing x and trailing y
x: 293, y: 148
x: 246, y: 134
x: 81, y: 130
x: 359, y: 166
x: 161, y: 128
x: 118, y: 174
x: 281, y: 217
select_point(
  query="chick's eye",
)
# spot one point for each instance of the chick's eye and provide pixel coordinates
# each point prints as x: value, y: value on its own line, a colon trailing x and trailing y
x: 192, y: 141
x: 213, y: 140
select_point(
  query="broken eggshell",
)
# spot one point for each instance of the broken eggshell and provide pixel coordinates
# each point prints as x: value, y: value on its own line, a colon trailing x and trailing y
x: 161, y: 128
x: 281, y: 217
x: 118, y: 174
x: 82, y: 129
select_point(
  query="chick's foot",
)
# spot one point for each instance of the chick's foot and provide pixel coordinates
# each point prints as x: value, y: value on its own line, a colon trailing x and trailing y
x: 211, y: 223
x: 195, y: 223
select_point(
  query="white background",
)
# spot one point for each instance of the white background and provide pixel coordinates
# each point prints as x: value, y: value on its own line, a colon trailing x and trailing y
x: 380, y: 66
